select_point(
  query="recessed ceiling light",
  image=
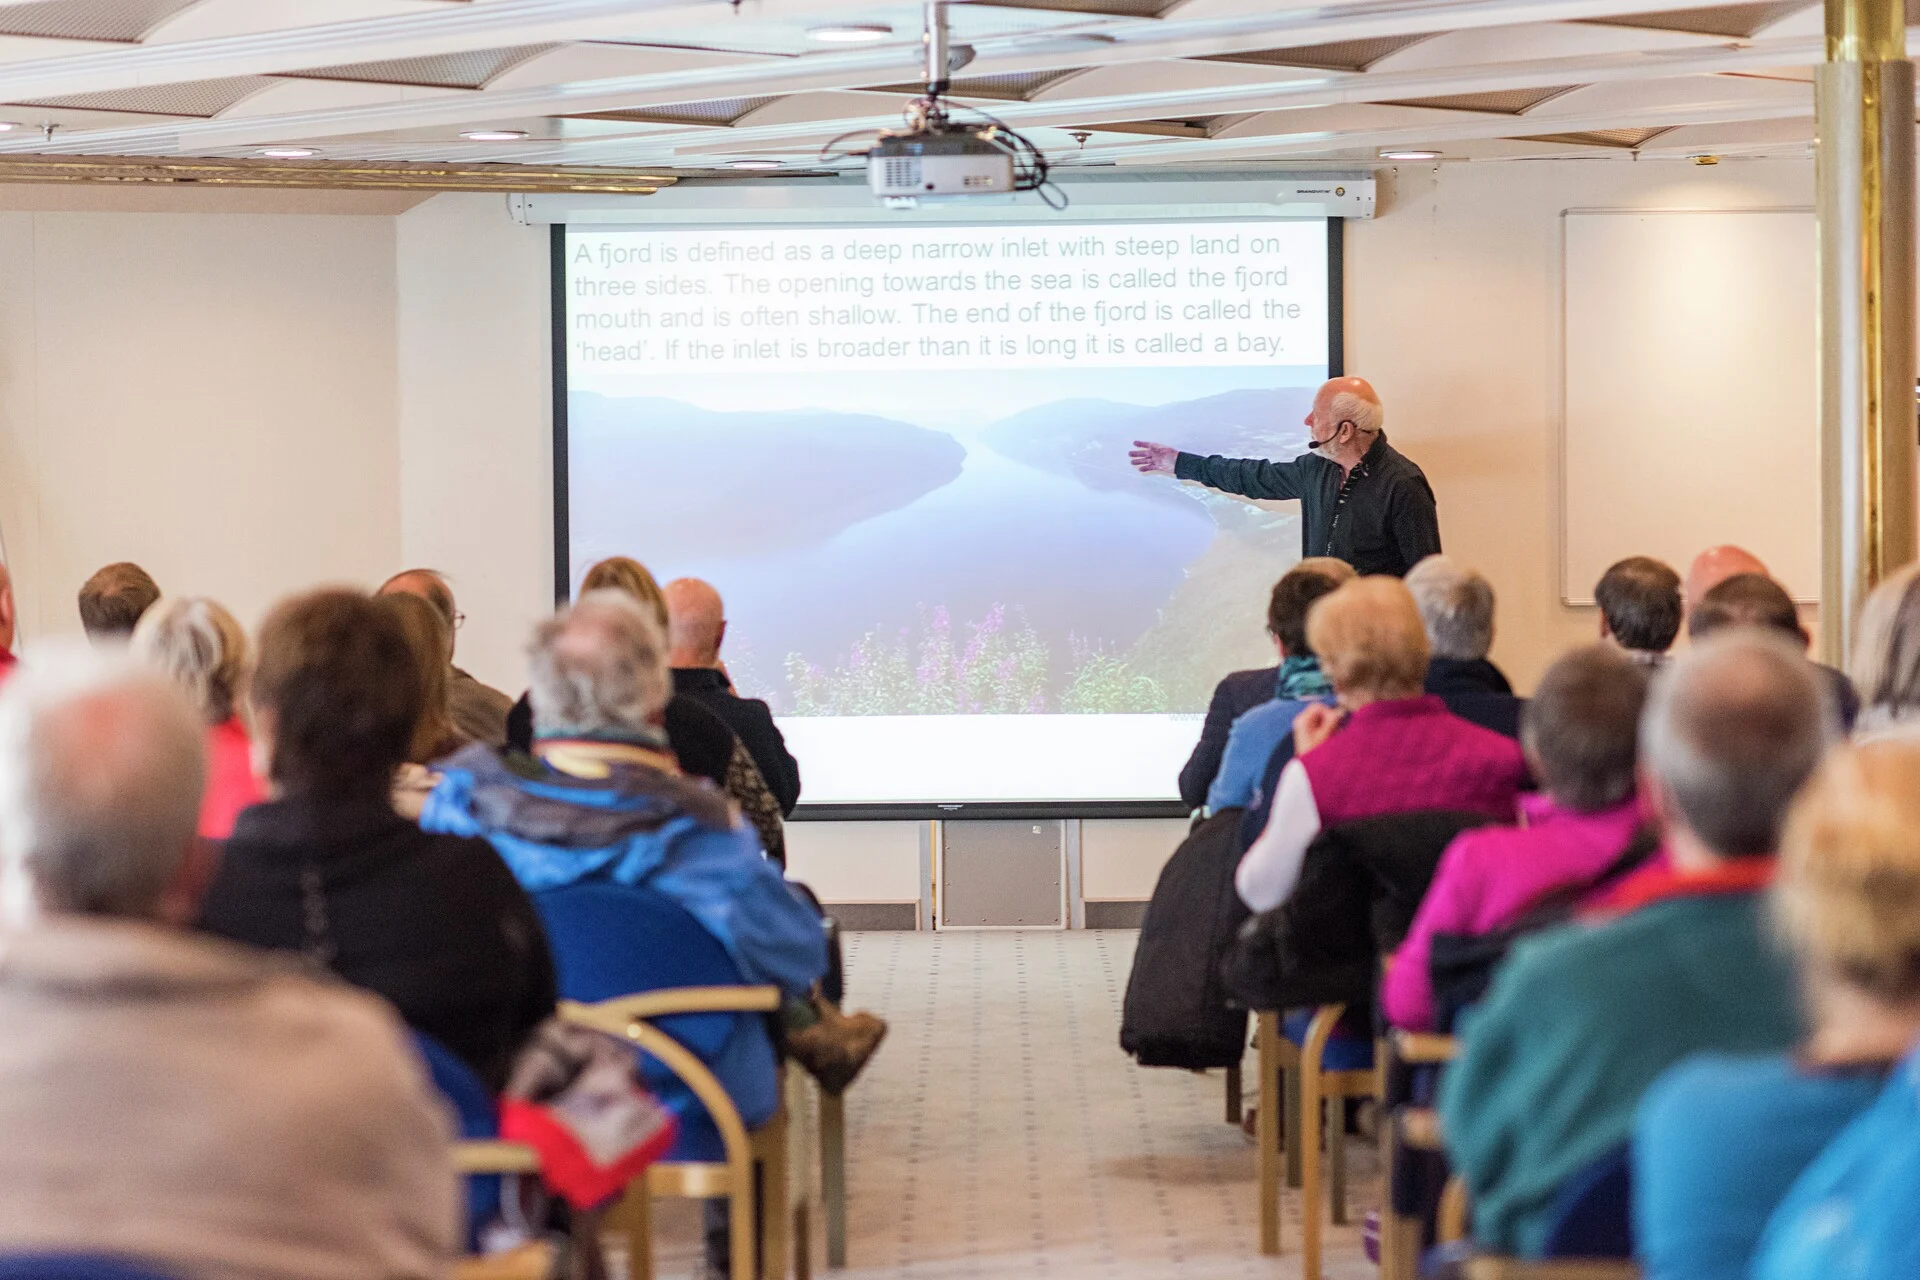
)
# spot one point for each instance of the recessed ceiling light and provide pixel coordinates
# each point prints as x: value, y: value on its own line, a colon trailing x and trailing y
x: 289, y: 153
x: 850, y: 33
x: 754, y: 164
x: 5, y: 125
x: 494, y: 135
x: 1408, y: 153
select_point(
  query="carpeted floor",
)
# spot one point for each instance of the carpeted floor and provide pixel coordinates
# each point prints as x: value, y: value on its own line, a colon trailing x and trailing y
x: 1001, y: 1132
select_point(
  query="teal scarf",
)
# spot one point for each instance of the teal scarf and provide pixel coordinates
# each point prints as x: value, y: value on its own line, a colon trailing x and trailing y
x: 1301, y: 678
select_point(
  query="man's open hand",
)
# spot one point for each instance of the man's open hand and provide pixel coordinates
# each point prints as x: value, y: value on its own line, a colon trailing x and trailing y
x: 1151, y: 458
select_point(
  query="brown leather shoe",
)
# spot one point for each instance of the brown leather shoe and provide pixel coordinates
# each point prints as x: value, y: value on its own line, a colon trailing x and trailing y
x: 834, y: 1049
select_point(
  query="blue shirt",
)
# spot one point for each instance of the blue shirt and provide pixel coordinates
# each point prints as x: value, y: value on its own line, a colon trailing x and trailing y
x: 1855, y: 1213
x: 1255, y: 736
x: 1717, y: 1142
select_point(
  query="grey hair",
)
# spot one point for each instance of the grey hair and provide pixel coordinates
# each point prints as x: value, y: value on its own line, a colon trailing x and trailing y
x: 101, y: 768
x: 1367, y: 416
x: 598, y: 668
x: 1456, y: 607
x: 1732, y: 730
x: 199, y: 644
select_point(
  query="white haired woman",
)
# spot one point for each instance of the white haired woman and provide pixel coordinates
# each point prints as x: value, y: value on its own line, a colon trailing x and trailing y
x: 201, y: 646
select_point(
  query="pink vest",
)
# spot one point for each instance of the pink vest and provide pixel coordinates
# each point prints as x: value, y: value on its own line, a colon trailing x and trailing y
x: 1412, y: 753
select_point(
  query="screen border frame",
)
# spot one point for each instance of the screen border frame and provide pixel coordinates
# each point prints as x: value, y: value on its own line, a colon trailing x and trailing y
x: 919, y: 811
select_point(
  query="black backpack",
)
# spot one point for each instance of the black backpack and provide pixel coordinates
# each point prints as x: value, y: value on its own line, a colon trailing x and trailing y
x: 1176, y: 1012
x: 1462, y: 965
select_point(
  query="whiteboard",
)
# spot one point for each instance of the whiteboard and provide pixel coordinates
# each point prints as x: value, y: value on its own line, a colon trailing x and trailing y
x: 1690, y: 414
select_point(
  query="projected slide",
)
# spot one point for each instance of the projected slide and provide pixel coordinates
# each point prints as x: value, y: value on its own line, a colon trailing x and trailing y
x: 900, y: 454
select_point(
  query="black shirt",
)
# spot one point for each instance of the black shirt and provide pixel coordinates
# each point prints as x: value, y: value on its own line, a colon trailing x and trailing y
x: 1380, y: 519
x: 434, y: 923
x: 1237, y: 692
x: 752, y: 722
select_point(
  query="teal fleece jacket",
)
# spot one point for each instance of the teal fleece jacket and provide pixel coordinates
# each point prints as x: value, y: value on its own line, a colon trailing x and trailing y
x: 1578, y: 1023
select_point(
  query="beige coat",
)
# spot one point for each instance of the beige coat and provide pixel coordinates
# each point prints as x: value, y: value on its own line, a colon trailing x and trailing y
x: 211, y: 1109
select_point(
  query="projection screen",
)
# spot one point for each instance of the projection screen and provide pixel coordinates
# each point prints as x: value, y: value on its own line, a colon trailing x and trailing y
x: 899, y: 452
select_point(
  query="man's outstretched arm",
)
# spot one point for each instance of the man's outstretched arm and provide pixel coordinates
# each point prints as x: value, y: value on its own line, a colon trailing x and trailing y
x: 1248, y: 477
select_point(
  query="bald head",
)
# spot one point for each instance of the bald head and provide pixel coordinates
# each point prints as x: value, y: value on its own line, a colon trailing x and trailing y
x: 1714, y: 566
x: 101, y: 769
x: 696, y: 623
x: 430, y: 586
x: 1732, y: 731
x: 7, y: 615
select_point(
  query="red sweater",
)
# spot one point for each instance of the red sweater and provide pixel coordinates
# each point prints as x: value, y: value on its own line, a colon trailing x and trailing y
x: 231, y: 785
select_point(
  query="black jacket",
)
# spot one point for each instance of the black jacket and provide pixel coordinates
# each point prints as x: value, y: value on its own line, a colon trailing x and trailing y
x: 1476, y: 690
x: 701, y: 741
x: 1359, y: 888
x: 436, y: 924
x: 1176, y: 1012
x: 1380, y: 519
x: 752, y: 722
x: 1237, y: 692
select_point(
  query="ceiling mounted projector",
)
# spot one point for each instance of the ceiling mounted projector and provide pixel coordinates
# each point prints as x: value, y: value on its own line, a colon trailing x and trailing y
x: 939, y: 158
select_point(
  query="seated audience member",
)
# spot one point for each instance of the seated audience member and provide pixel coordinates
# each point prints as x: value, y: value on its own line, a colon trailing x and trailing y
x: 1456, y: 607
x: 7, y: 621
x: 1755, y: 600
x: 1262, y: 730
x: 204, y: 1109
x: 1579, y: 734
x: 1714, y: 566
x: 696, y: 628
x: 1886, y: 658
x: 1675, y: 961
x: 1850, y: 900
x: 479, y: 711
x: 112, y: 600
x: 1719, y: 1139
x: 1237, y: 693
x: 1386, y: 748
x: 434, y: 923
x: 1640, y: 608
x: 435, y: 737
x: 606, y: 801
x: 201, y: 646
x: 701, y: 741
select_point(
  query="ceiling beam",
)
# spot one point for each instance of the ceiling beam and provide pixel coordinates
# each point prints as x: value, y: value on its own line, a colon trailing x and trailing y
x: 1282, y: 145
x: 1320, y: 90
x: 1129, y: 40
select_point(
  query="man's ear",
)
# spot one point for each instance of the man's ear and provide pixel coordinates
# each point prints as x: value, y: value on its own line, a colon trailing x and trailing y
x: 180, y: 900
x: 720, y: 638
x: 1606, y: 632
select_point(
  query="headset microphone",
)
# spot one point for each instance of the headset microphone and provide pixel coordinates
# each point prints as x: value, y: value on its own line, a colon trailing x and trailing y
x: 1321, y: 444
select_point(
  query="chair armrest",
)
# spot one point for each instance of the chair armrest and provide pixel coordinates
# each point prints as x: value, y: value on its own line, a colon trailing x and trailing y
x: 480, y: 1156
x: 531, y: 1261
x: 1423, y: 1048
x: 669, y: 1001
x: 1551, y: 1269
x: 627, y: 1017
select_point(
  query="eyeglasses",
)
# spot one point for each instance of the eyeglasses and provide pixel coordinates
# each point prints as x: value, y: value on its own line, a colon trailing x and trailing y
x: 459, y: 620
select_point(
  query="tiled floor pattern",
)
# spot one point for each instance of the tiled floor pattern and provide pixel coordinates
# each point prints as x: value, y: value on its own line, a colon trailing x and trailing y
x: 1001, y: 1132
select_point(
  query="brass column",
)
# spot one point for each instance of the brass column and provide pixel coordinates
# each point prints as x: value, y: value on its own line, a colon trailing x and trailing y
x: 1865, y: 176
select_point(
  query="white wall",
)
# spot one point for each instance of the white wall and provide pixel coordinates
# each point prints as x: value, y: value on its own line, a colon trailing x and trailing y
x: 476, y: 420
x: 210, y: 393
x: 1453, y: 310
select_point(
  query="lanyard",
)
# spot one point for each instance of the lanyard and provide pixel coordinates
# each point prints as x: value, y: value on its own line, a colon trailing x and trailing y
x: 1340, y: 503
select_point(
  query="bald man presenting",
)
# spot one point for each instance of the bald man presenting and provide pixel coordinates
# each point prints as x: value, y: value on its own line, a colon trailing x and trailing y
x: 1361, y: 500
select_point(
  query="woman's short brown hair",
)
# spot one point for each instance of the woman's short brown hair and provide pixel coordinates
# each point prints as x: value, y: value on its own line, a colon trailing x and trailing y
x: 1369, y: 638
x: 337, y: 685
x: 1847, y: 895
x: 623, y: 573
x: 430, y: 638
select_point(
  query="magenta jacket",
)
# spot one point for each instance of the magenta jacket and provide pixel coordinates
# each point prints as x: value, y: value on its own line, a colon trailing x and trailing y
x: 1489, y: 876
